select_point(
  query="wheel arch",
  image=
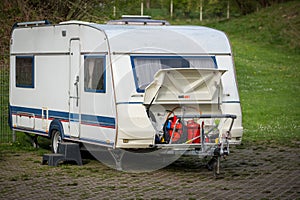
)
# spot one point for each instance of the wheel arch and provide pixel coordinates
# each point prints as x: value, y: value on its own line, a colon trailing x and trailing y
x: 56, y: 125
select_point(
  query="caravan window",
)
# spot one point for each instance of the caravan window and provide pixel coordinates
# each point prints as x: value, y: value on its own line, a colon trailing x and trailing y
x: 94, y: 73
x: 145, y: 67
x: 25, y: 71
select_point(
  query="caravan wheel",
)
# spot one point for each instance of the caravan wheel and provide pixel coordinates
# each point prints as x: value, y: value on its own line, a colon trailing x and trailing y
x: 55, y: 140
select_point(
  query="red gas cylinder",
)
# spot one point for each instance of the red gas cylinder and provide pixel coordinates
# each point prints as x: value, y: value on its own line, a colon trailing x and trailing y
x: 177, y: 131
x: 193, y: 130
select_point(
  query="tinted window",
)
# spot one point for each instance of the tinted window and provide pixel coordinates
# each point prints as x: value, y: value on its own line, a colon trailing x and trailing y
x: 25, y: 71
x: 145, y: 67
x: 94, y: 74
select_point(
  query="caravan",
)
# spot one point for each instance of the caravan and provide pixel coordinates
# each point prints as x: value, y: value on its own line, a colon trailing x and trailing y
x: 128, y: 84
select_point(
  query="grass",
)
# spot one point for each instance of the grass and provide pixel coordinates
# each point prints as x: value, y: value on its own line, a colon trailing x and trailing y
x: 266, y: 47
x: 269, y: 89
x: 23, y: 144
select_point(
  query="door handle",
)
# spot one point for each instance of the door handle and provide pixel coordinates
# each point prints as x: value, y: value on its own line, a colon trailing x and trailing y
x: 76, y: 84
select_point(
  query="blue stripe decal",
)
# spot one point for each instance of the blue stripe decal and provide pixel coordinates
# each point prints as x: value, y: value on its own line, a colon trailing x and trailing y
x: 98, y: 121
x: 231, y: 102
x: 58, y: 115
x: 15, y: 109
x: 38, y: 112
x: 74, y: 117
x: 93, y: 120
x: 129, y: 103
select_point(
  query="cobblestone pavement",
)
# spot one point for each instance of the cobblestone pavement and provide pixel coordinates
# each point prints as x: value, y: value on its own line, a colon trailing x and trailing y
x: 250, y: 172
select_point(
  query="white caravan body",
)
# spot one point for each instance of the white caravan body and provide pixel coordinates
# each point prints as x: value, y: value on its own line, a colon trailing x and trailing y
x: 114, y: 85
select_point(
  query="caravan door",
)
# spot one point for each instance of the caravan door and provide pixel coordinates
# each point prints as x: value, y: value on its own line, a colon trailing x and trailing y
x: 74, y: 88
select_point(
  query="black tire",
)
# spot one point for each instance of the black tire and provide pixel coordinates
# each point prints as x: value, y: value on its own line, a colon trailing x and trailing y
x: 56, y: 138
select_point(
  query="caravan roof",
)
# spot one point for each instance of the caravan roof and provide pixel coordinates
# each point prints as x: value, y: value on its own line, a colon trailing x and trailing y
x: 163, y: 39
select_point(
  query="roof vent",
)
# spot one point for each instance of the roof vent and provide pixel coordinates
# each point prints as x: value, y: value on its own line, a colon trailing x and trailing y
x: 138, y: 20
x: 136, y: 17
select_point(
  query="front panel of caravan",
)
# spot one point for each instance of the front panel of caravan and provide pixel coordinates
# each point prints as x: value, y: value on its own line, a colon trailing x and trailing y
x: 134, y: 127
x: 54, y: 93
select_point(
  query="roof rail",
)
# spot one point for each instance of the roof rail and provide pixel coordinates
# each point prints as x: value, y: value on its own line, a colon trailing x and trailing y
x: 138, y: 20
x: 30, y: 24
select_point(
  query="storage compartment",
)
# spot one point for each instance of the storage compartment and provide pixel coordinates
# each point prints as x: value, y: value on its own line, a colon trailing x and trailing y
x: 25, y: 120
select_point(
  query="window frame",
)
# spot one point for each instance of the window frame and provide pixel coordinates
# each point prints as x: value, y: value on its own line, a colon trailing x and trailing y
x: 133, y: 57
x: 104, y: 74
x: 32, y: 85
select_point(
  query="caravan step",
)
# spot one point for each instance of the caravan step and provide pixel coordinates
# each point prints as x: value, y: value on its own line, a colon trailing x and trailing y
x: 66, y: 152
x: 53, y: 159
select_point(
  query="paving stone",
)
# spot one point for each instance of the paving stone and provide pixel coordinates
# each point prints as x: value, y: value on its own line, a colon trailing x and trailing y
x: 250, y: 172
